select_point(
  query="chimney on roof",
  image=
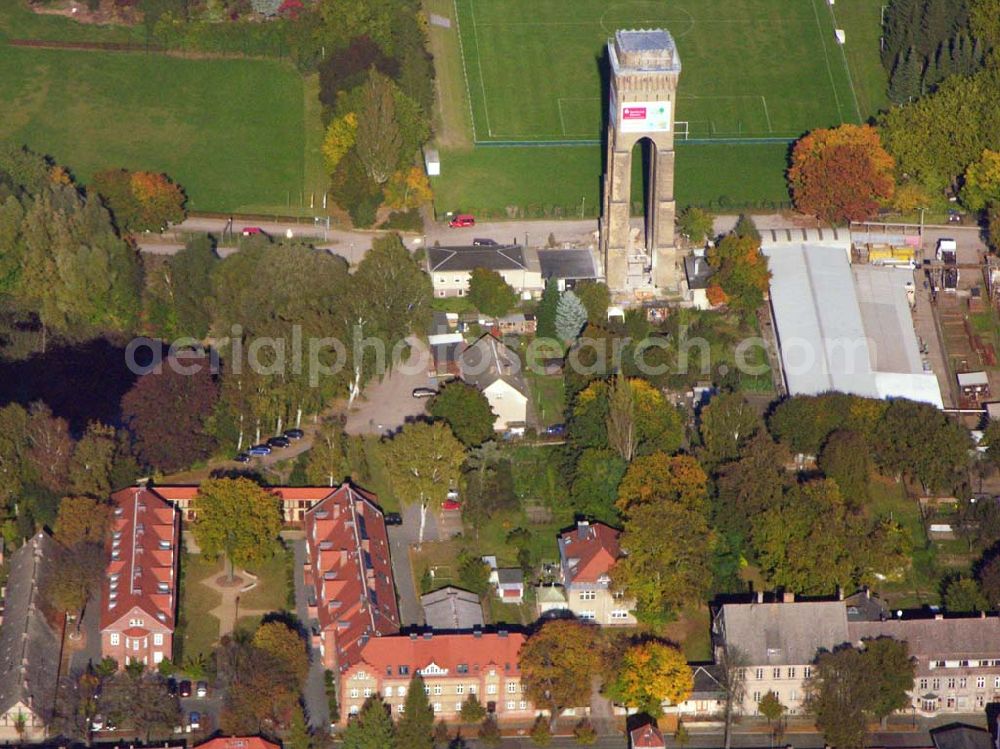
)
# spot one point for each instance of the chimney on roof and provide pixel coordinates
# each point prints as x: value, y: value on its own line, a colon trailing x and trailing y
x: 477, y: 632
x: 501, y: 633
x: 583, y: 529
x: 787, y: 597
x: 428, y: 635
x: 413, y: 635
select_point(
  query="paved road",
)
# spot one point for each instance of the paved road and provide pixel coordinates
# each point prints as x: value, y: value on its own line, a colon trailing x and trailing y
x: 401, y: 537
x: 314, y: 694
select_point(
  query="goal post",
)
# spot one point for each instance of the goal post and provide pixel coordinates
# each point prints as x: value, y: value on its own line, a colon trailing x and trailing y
x: 681, y: 130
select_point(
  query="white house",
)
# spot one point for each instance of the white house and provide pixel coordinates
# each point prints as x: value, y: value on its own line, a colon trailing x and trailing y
x: 493, y: 368
x: 450, y: 268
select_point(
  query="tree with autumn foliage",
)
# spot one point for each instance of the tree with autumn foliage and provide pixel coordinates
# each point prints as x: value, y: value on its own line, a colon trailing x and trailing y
x: 286, y: 646
x: 140, y: 201
x: 82, y: 520
x: 982, y: 182
x: 407, y: 188
x: 741, y: 276
x: 651, y: 673
x: 341, y: 134
x: 557, y: 663
x: 841, y: 174
x: 661, y: 478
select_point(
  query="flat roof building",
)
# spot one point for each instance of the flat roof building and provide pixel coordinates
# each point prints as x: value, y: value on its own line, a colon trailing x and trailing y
x: 841, y: 327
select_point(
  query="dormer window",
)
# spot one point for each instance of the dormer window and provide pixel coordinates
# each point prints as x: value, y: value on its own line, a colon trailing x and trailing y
x: 164, y: 544
x: 163, y: 587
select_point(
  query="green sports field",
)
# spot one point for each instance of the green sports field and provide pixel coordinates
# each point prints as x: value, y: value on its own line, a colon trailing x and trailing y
x: 751, y: 68
x: 238, y: 134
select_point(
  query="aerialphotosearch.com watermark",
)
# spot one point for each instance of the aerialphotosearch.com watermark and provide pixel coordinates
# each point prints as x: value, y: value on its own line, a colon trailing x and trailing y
x: 317, y: 358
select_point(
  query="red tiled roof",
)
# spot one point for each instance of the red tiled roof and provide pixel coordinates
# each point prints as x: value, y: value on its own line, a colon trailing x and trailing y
x: 238, y: 742
x: 351, y: 570
x: 141, y: 525
x: 647, y: 737
x: 594, y: 547
x: 444, y: 651
x: 285, y: 493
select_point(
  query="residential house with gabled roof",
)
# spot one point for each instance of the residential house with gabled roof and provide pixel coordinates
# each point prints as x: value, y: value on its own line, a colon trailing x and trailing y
x: 495, y: 370
x: 647, y: 736
x: 451, y: 609
x: 139, y: 591
x: 450, y: 268
x: 348, y: 576
x: 237, y: 742
x: 587, y: 552
x: 30, y: 640
x: 453, y: 667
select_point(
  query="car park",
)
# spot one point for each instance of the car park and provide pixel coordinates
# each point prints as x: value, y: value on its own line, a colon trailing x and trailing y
x: 294, y: 434
x: 202, y: 689
x: 172, y: 686
x: 278, y: 442
x: 461, y: 221
x: 184, y: 690
x: 259, y: 450
x: 241, y: 458
x: 393, y: 518
x: 424, y: 392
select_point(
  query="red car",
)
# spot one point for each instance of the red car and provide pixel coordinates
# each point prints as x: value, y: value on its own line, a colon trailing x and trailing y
x: 461, y: 221
x: 451, y: 504
x: 249, y: 231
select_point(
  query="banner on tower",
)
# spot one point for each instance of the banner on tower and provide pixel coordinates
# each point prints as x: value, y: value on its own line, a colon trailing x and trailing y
x: 645, y: 117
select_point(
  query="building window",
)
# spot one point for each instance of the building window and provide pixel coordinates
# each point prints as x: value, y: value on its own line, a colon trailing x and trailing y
x: 951, y: 683
x: 401, y: 691
x: 472, y: 688
x: 962, y: 683
x: 511, y: 687
x: 793, y: 696
x: 791, y: 672
x: 437, y: 689
x: 996, y: 682
x: 437, y: 707
x: 135, y: 622
x: 756, y: 697
x: 354, y: 694
x: 388, y: 692
x: 354, y: 710
x: 923, y: 683
x: 491, y: 689
x: 115, y: 638
x: 588, y: 595
x: 157, y: 639
x: 510, y: 704
x: 935, y: 683
x: 460, y: 689
x: 588, y: 615
x: 458, y: 707
x: 619, y: 615
x: 368, y: 692
x: 522, y: 705
x: 807, y: 672
x: 980, y: 682
x: 401, y: 708
x: 760, y: 675
x: 776, y: 673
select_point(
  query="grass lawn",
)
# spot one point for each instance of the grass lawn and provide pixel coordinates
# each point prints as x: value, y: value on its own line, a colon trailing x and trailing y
x: 18, y: 22
x: 566, y: 181
x: 759, y: 68
x: 272, y: 590
x: 200, y: 629
x: 548, y: 393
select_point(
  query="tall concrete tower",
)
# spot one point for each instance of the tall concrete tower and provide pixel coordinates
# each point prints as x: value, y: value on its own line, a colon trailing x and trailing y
x: 645, y: 69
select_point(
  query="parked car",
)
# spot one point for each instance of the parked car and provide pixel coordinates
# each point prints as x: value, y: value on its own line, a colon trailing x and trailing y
x: 556, y: 429
x: 97, y: 723
x: 259, y: 450
x: 278, y: 442
x: 424, y: 392
x: 954, y: 217
x: 185, y: 688
x: 461, y: 221
x: 202, y: 689
x: 242, y: 458
x: 252, y: 231
x: 172, y: 686
x: 451, y: 504
x: 110, y: 725
x: 393, y: 518
x: 482, y: 242
x: 294, y: 434
x: 194, y: 721
x: 452, y: 494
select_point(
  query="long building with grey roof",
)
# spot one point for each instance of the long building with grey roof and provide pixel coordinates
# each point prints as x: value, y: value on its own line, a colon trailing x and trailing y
x: 29, y: 645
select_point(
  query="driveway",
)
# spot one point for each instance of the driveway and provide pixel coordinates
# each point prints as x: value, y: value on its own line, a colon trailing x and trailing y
x: 384, y: 406
x: 90, y: 628
x: 401, y: 538
x: 314, y: 694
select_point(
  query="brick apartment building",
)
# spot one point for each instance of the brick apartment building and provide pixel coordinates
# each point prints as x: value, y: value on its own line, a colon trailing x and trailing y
x: 453, y: 667
x: 348, y: 576
x: 139, y: 591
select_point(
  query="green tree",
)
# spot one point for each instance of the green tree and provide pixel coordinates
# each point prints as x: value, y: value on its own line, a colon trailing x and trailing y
x: 489, y: 732
x: 546, y: 314
x: 93, y: 458
x: 82, y: 520
x: 993, y: 225
x: 746, y: 228
x: 373, y: 728
x: 595, y: 483
x: 327, y: 463
x: 142, y: 702
x: 667, y: 549
x: 892, y: 670
x: 472, y: 710
x: 415, y: 729
x: 188, y: 282
x: 989, y: 581
x: 286, y: 646
x: 424, y: 462
x: 905, y: 81
x: 695, y: 224
x: 962, y: 595
x: 571, y: 316
x: 846, y: 458
x: 981, y: 183
x: 379, y: 142
x: 238, y: 519
x: 726, y: 424
x: 490, y: 293
x: 81, y: 569
x: 541, y: 733
x: 596, y: 297
x: 466, y: 410
x: 297, y: 736
x: 919, y: 441
x: 770, y: 707
x: 838, y: 693
x: 741, y: 276
x: 557, y: 662
x: 650, y: 674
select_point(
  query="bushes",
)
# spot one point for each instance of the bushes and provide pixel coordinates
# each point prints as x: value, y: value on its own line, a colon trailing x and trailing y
x: 410, y: 220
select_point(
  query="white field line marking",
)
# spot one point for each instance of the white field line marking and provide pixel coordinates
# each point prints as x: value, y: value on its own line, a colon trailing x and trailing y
x: 763, y: 100
x: 847, y: 68
x: 465, y: 72
x: 479, y: 64
x: 829, y: 68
